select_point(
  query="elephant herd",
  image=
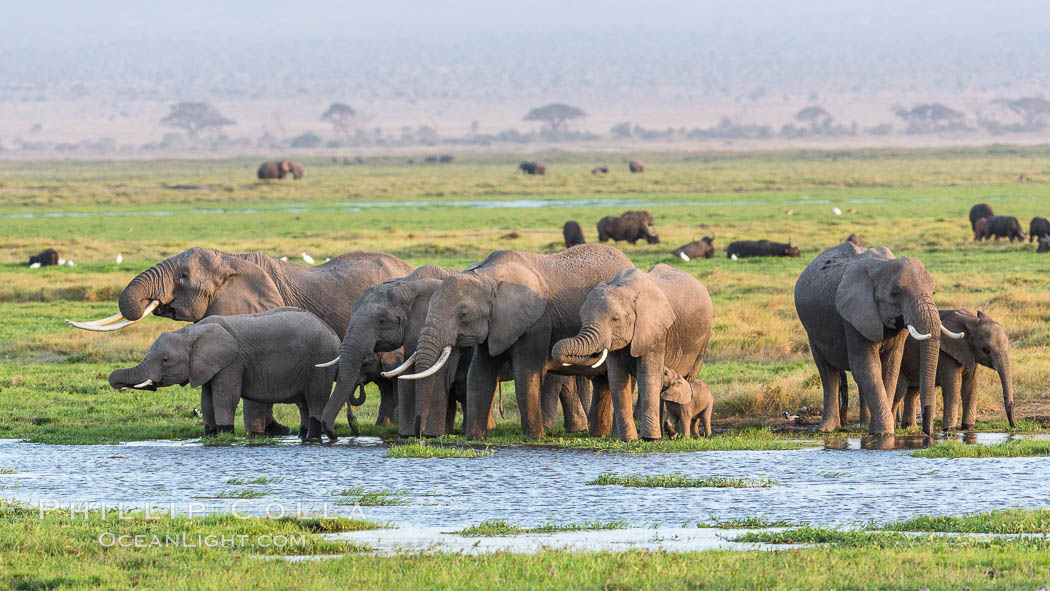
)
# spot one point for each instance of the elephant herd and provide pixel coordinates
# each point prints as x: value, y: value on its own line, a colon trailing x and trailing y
x: 582, y: 328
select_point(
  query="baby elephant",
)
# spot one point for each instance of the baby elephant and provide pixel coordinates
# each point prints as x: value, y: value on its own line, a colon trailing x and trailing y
x: 687, y: 405
x: 264, y: 358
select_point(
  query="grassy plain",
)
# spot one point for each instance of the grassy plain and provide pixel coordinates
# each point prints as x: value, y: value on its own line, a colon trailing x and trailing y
x: 53, y: 378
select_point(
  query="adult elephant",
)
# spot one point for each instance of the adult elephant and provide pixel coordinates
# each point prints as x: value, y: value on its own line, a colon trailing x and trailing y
x: 202, y: 282
x: 985, y: 343
x: 512, y: 307
x: 279, y: 169
x: 857, y: 306
x: 638, y: 324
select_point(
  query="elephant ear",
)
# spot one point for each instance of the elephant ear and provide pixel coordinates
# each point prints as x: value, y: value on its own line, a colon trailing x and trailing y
x: 653, y: 316
x: 679, y: 392
x: 213, y: 348
x: 246, y: 289
x: 960, y: 350
x: 855, y: 302
x: 519, y: 302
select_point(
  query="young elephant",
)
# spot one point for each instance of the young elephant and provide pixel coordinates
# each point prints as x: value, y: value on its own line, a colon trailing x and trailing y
x: 984, y: 342
x: 688, y: 404
x: 267, y: 357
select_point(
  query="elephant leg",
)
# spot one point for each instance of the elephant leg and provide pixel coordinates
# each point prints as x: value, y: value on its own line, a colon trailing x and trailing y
x: 650, y: 374
x: 481, y: 385
x: 969, y: 398
x: 705, y: 417
x: 226, y: 393
x: 550, y: 394
x: 406, y: 408
x: 599, y: 415
x: 207, y: 410
x: 304, y: 419
x: 951, y: 384
x: 899, y: 394
x: 527, y: 384
x: 255, y: 417
x: 387, y: 403
x: 273, y: 428
x: 450, y: 417
x: 866, y: 366
x: 620, y: 387
x: 865, y: 414
x: 574, y: 418
x: 829, y: 380
x: 890, y: 358
x: 843, y: 399
x: 497, y: 399
x: 910, y: 407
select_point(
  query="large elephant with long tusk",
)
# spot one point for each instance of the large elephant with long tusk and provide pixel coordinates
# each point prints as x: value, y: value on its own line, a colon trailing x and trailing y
x: 512, y: 307
x: 637, y: 324
x: 984, y: 343
x: 858, y: 305
x: 203, y: 282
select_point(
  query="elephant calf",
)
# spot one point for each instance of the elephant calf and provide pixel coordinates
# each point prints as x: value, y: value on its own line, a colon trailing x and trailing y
x: 688, y: 404
x: 266, y: 358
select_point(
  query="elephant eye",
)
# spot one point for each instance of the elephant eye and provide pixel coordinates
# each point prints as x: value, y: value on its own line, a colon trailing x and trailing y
x: 987, y: 350
x: 185, y: 276
x: 462, y: 314
x: 382, y: 321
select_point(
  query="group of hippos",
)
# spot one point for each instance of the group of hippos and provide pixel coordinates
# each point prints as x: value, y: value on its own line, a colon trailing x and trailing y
x: 538, y: 167
x: 985, y: 224
x: 618, y: 348
x: 632, y: 226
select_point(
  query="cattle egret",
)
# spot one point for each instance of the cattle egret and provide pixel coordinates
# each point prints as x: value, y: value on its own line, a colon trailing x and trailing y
x: 285, y: 259
x: 309, y: 259
x: 71, y: 264
x: 120, y: 258
x: 836, y: 211
x: 34, y: 266
x: 683, y: 256
x: 732, y: 256
x: 61, y: 262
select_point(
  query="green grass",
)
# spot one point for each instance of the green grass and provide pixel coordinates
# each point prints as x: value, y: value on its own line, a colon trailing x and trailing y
x: 678, y: 481
x: 58, y: 551
x: 499, y: 527
x: 1005, y: 521
x: 257, y: 480
x: 1014, y: 448
x: 748, y: 439
x: 53, y: 379
x: 371, y: 498
x: 858, y: 538
x: 4, y: 470
x: 422, y: 449
x: 758, y: 522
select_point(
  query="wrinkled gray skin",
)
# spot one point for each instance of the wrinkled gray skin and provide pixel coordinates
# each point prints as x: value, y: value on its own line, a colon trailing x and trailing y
x: 646, y: 321
x: 267, y: 358
x: 202, y: 282
x: 985, y: 344
x: 855, y: 304
x: 388, y: 317
x: 688, y: 405
x: 512, y: 307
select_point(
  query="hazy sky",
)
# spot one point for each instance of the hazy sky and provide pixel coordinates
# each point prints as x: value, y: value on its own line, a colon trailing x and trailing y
x: 51, y: 21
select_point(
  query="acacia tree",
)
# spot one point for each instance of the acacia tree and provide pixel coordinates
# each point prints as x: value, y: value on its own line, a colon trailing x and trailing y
x: 194, y: 117
x: 931, y: 117
x: 554, y: 115
x: 814, y: 116
x: 341, y: 117
x: 1033, y: 110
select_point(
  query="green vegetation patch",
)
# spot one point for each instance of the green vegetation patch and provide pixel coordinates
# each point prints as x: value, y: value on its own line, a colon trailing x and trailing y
x: 499, y: 527
x: 258, y: 480
x: 678, y: 481
x: 423, y: 449
x: 1004, y: 521
x: 248, y: 493
x: 757, y: 522
x: 1015, y: 448
x: 370, y: 498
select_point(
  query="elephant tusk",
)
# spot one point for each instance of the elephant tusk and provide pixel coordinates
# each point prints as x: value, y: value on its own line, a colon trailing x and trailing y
x: 566, y: 364
x: 327, y: 363
x: 952, y: 335
x: 148, y: 382
x: 433, y: 368
x: 918, y: 336
x: 110, y: 324
x: 601, y: 360
x: 401, y: 368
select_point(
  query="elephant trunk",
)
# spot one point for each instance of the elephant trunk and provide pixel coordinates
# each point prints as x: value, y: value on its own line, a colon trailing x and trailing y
x: 155, y: 283
x: 926, y: 320
x: 581, y: 349
x: 430, y: 399
x: 1002, y: 367
x: 358, y: 342
x: 129, y: 377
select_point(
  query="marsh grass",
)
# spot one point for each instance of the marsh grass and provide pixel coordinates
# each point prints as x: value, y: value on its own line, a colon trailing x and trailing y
x: 757, y: 522
x: 423, y: 449
x: 371, y: 498
x: 677, y: 481
x: 747, y: 439
x: 1014, y: 448
x: 53, y: 379
x: 257, y: 480
x: 499, y: 527
x: 4, y: 470
x: 248, y: 493
x: 1004, y: 521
